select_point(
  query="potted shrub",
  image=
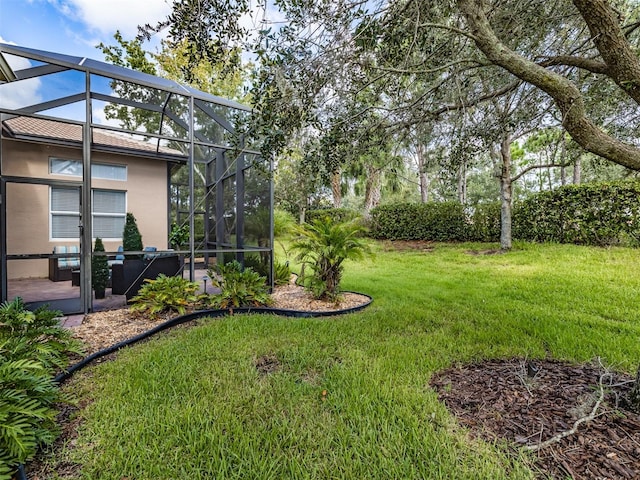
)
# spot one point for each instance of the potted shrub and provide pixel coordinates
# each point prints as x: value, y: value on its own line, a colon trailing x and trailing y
x: 129, y: 277
x: 123, y: 276
x: 131, y: 238
x: 99, y: 270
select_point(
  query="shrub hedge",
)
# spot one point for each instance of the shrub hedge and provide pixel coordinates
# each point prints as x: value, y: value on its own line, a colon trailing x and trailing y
x: 439, y: 222
x: 590, y: 214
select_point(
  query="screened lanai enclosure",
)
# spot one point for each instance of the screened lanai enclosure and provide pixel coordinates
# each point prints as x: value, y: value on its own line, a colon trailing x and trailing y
x: 84, y: 143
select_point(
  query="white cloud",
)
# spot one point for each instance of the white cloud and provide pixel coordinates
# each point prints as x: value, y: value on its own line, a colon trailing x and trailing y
x: 107, y: 16
x: 22, y: 93
x: 2, y: 40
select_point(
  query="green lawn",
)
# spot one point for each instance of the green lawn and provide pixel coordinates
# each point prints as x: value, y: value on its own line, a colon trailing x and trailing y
x: 191, y: 404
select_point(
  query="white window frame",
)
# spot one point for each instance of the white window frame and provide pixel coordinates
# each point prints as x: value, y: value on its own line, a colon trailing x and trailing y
x: 93, y: 176
x: 52, y: 213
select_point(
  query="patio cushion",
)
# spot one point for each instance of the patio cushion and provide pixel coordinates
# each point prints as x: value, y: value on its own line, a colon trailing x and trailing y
x: 73, y: 262
x: 62, y: 262
x: 149, y: 256
x: 67, y: 262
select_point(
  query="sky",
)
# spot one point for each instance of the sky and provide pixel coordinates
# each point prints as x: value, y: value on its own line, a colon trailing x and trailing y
x: 75, y: 27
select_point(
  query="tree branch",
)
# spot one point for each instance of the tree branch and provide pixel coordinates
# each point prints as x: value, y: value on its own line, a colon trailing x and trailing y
x: 410, y: 70
x: 580, y: 421
x: 565, y: 93
x: 533, y: 167
x: 483, y: 98
x: 594, y: 66
x: 611, y: 42
x: 449, y: 28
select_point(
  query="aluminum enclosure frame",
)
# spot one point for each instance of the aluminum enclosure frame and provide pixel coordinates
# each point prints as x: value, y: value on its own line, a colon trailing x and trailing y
x: 177, y: 141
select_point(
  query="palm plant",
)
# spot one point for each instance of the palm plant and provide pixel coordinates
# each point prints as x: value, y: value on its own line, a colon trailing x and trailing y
x: 323, y: 246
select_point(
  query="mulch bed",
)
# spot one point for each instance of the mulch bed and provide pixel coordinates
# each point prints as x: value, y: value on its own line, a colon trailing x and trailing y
x: 529, y: 402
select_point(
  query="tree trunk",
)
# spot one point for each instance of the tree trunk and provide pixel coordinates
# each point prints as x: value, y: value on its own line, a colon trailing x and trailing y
x: 564, y: 92
x: 372, y: 189
x: 505, y: 194
x: 577, y: 171
x: 336, y: 189
x: 563, y: 160
x: 462, y: 183
x: 422, y: 174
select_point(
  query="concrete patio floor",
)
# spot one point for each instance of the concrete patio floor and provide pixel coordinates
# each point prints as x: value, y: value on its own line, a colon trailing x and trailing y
x: 63, y: 295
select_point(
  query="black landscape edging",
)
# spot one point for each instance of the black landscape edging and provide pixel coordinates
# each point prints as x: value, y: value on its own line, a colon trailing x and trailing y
x: 283, y: 312
x: 201, y: 314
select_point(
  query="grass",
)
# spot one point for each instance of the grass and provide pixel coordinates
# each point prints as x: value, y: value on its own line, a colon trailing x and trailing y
x: 350, y: 398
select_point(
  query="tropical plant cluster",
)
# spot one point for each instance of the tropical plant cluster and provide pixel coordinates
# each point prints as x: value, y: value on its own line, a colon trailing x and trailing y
x: 281, y: 270
x: 439, y: 222
x: 174, y: 294
x: 238, y: 287
x: 33, y: 347
x: 322, y: 247
x: 590, y: 214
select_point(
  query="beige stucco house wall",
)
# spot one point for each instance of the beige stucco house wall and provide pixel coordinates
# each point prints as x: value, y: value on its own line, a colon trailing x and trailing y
x: 28, y: 205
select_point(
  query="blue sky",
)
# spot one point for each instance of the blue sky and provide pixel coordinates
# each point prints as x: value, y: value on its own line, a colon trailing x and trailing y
x: 75, y: 27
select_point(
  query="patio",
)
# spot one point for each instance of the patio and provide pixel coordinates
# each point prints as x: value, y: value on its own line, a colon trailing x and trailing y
x: 61, y: 295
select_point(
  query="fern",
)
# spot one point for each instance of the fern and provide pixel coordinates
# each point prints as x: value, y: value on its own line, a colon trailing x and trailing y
x: 174, y: 294
x: 32, y: 347
x: 238, y: 287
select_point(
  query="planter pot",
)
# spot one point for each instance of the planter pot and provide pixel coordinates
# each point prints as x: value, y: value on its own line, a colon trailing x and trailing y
x: 99, y: 293
x: 127, y: 278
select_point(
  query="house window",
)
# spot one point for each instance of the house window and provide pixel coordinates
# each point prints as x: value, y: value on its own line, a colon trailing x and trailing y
x: 73, y: 168
x: 109, y: 172
x: 59, y: 166
x: 65, y: 213
x: 109, y: 212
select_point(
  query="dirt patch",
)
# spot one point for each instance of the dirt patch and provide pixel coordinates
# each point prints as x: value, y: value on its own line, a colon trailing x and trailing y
x: 529, y: 402
x: 294, y: 297
x: 267, y: 364
x: 404, y: 245
x: 493, y: 251
x: 69, y: 420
